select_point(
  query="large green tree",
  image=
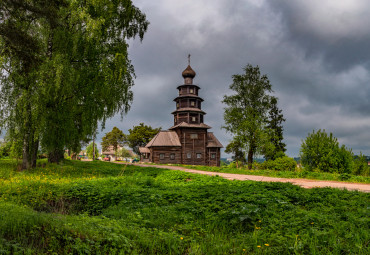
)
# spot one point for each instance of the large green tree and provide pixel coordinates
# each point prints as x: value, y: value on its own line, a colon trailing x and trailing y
x: 246, y: 111
x: 275, y: 126
x: 113, y: 138
x: 64, y: 67
x: 140, y: 135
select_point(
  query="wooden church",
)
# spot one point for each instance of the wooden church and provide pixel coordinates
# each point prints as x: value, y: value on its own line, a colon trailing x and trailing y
x: 188, y: 140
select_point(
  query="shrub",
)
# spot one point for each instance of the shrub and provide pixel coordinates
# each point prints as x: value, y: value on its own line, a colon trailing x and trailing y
x: 360, y: 166
x: 281, y: 164
x: 322, y: 151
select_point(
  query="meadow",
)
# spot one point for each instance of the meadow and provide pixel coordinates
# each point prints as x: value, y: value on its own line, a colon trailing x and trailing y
x: 103, y: 208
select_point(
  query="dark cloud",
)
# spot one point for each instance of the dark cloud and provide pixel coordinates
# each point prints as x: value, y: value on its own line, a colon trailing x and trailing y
x: 315, y: 54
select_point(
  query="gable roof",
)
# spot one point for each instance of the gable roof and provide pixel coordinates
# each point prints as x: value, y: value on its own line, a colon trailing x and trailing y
x: 164, y: 138
x: 213, y: 142
x: 144, y: 150
x: 187, y: 125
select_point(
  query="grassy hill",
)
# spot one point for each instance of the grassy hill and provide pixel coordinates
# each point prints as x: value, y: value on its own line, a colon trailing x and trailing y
x: 104, y: 208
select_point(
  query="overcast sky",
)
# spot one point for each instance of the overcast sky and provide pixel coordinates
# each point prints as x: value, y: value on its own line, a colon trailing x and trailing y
x: 315, y: 53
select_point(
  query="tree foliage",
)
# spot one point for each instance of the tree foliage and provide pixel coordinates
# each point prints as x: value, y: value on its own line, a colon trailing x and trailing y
x: 90, y: 150
x: 140, y: 135
x: 123, y: 152
x: 64, y: 67
x: 234, y: 147
x: 275, y: 127
x: 246, y: 114
x: 113, y: 138
x: 322, y: 151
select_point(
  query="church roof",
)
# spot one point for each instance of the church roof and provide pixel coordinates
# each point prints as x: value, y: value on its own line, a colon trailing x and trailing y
x: 189, y: 96
x: 187, y: 125
x: 164, y: 138
x: 213, y: 142
x: 189, y: 109
x: 188, y: 72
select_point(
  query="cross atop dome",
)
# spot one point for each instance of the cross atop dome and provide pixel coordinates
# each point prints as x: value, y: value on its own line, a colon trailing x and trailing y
x: 188, y: 73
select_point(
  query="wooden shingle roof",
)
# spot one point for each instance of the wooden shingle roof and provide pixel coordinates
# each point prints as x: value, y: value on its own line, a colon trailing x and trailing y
x: 187, y: 125
x: 164, y: 138
x: 213, y: 142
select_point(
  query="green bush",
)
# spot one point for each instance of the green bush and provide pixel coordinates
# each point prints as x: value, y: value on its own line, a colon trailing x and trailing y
x: 322, y: 151
x: 360, y: 166
x: 281, y: 164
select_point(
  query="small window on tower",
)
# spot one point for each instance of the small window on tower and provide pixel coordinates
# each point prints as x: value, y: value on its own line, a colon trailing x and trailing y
x: 177, y: 105
x: 192, y: 103
x: 193, y: 119
x: 191, y: 91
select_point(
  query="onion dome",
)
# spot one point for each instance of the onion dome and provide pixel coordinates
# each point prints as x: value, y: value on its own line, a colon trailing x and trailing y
x: 188, y: 72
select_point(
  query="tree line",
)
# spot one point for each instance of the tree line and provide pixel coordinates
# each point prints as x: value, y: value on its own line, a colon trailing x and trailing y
x: 137, y: 137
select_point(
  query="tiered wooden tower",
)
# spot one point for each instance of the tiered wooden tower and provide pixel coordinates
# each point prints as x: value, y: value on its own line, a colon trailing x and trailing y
x: 188, y: 141
x: 188, y: 103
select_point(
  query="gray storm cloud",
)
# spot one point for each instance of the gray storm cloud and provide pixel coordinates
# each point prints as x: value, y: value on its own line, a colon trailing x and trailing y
x: 315, y: 54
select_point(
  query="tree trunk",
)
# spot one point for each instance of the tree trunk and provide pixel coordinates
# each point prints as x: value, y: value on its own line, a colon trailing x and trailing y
x: 55, y: 156
x: 250, y: 158
x: 27, y: 138
x: 74, y: 156
x: 26, y: 159
x: 94, y: 148
x: 35, y: 148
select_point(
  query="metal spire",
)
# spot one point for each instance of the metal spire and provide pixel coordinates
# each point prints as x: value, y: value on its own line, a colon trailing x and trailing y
x: 189, y: 59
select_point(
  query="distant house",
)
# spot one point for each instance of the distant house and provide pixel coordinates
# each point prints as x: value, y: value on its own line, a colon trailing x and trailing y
x: 188, y: 140
x: 110, y: 153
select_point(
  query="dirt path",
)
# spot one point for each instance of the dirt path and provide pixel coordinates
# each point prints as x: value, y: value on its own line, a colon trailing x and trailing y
x: 304, y: 183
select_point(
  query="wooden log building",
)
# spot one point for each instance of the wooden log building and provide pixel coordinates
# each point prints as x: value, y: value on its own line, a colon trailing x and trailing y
x: 188, y: 140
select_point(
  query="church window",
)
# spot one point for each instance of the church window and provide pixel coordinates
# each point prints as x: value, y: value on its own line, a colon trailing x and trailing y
x: 172, y: 156
x: 161, y: 156
x: 188, y: 155
x: 199, y: 155
x: 191, y: 91
x: 192, y: 103
x: 193, y: 119
x: 213, y: 155
x: 177, y: 105
x: 193, y: 136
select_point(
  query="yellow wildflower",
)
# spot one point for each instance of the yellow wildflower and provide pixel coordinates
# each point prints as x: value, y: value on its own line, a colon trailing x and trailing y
x: 266, y: 244
x: 258, y: 246
x: 181, y: 238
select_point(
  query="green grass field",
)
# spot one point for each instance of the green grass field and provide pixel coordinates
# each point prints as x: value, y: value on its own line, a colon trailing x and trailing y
x: 104, y: 208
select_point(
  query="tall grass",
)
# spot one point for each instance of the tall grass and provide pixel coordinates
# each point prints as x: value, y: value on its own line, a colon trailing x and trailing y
x: 103, y: 208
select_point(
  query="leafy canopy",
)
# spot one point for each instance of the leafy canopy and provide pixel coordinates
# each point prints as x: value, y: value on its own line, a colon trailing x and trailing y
x: 140, y: 135
x: 322, y: 151
x: 246, y: 111
x: 64, y: 68
x: 113, y: 139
